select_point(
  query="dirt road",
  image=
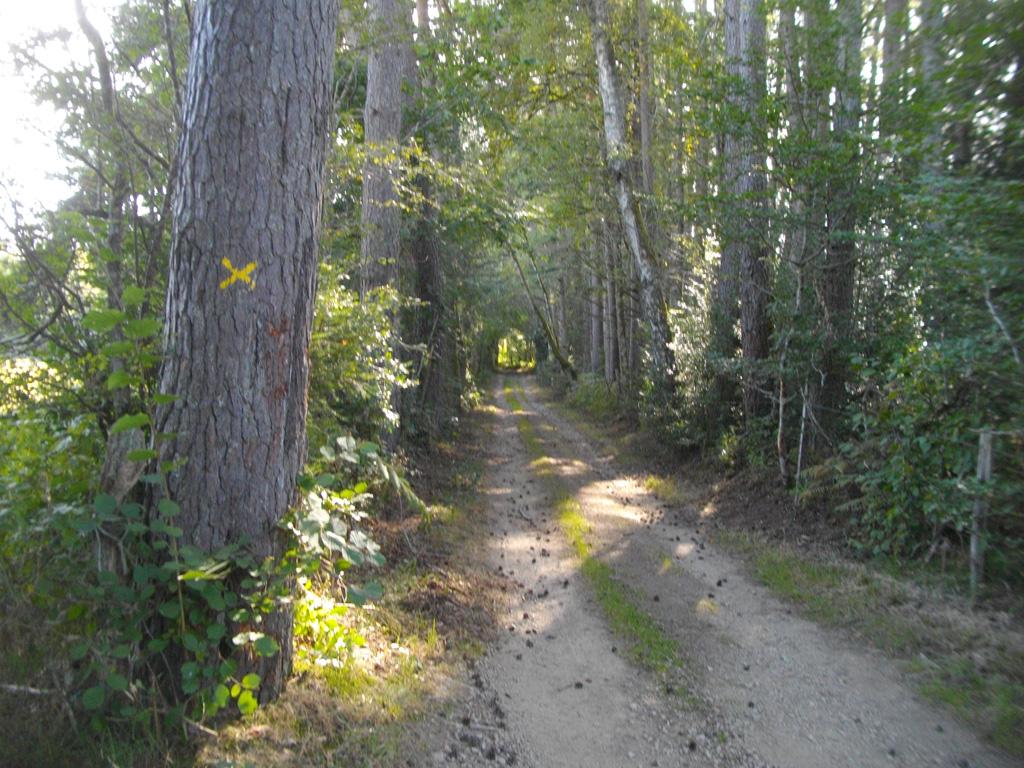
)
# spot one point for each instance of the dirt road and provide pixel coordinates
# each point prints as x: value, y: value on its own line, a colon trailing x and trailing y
x: 760, y: 686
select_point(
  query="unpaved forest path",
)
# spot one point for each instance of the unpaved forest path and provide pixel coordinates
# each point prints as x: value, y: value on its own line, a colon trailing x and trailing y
x: 766, y: 688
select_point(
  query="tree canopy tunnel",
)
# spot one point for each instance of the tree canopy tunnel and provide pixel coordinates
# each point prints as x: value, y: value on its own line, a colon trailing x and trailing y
x: 516, y: 352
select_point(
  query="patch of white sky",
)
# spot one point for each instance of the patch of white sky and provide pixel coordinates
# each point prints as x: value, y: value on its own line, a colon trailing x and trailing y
x: 30, y: 163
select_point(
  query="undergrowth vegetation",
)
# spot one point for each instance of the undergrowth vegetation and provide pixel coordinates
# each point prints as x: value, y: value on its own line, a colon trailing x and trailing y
x: 103, y: 597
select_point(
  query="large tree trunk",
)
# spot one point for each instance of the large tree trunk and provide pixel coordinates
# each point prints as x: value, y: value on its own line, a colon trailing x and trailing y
x: 243, y: 274
x: 652, y: 299
x: 387, y: 67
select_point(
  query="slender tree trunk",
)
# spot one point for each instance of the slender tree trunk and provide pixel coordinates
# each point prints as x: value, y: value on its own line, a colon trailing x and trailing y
x: 439, y: 392
x: 725, y: 309
x: 644, y: 35
x: 595, y: 303
x: 242, y: 277
x: 560, y: 324
x: 645, y: 263
x: 611, y: 332
x: 621, y: 321
x: 931, y: 41
x: 386, y: 71
x: 892, y: 64
x: 542, y: 317
x: 745, y: 182
x: 840, y: 256
x: 119, y: 474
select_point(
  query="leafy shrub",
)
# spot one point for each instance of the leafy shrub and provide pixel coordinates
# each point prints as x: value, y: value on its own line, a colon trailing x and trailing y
x: 912, y: 462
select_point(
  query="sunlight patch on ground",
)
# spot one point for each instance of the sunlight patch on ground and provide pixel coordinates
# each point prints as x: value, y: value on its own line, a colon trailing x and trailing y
x: 706, y: 607
x: 684, y: 549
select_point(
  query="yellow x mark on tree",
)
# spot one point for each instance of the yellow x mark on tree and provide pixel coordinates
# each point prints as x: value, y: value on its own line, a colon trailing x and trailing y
x: 242, y: 274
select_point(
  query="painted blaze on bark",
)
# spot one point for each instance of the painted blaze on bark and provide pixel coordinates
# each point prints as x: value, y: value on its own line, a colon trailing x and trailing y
x: 255, y: 128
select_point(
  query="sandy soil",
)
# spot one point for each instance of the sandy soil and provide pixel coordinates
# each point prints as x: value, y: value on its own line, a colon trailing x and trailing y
x: 772, y: 689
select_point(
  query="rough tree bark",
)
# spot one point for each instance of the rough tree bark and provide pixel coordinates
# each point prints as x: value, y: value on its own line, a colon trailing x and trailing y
x: 654, y: 311
x: 243, y: 273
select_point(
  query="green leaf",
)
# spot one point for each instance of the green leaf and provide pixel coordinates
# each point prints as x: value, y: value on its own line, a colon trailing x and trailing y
x: 93, y: 697
x: 371, y: 591
x: 102, y: 320
x: 221, y: 695
x: 118, y: 348
x: 159, y: 526
x: 141, y: 328
x: 104, y: 504
x: 79, y: 650
x: 266, y: 646
x: 133, y: 296
x: 251, y: 681
x: 247, y: 703
x: 132, y: 510
x: 169, y: 610
x: 235, y: 690
x: 84, y: 526
x: 119, y: 379
x: 129, y: 421
x: 168, y: 508
x: 215, y: 632
x: 164, y: 399
x: 142, y: 454
x: 122, y: 651
x: 117, y: 682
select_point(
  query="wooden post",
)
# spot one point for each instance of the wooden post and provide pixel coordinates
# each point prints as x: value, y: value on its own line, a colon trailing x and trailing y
x: 980, y: 508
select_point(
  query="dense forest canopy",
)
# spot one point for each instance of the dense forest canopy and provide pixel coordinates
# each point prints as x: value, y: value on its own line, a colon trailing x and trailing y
x: 782, y: 235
